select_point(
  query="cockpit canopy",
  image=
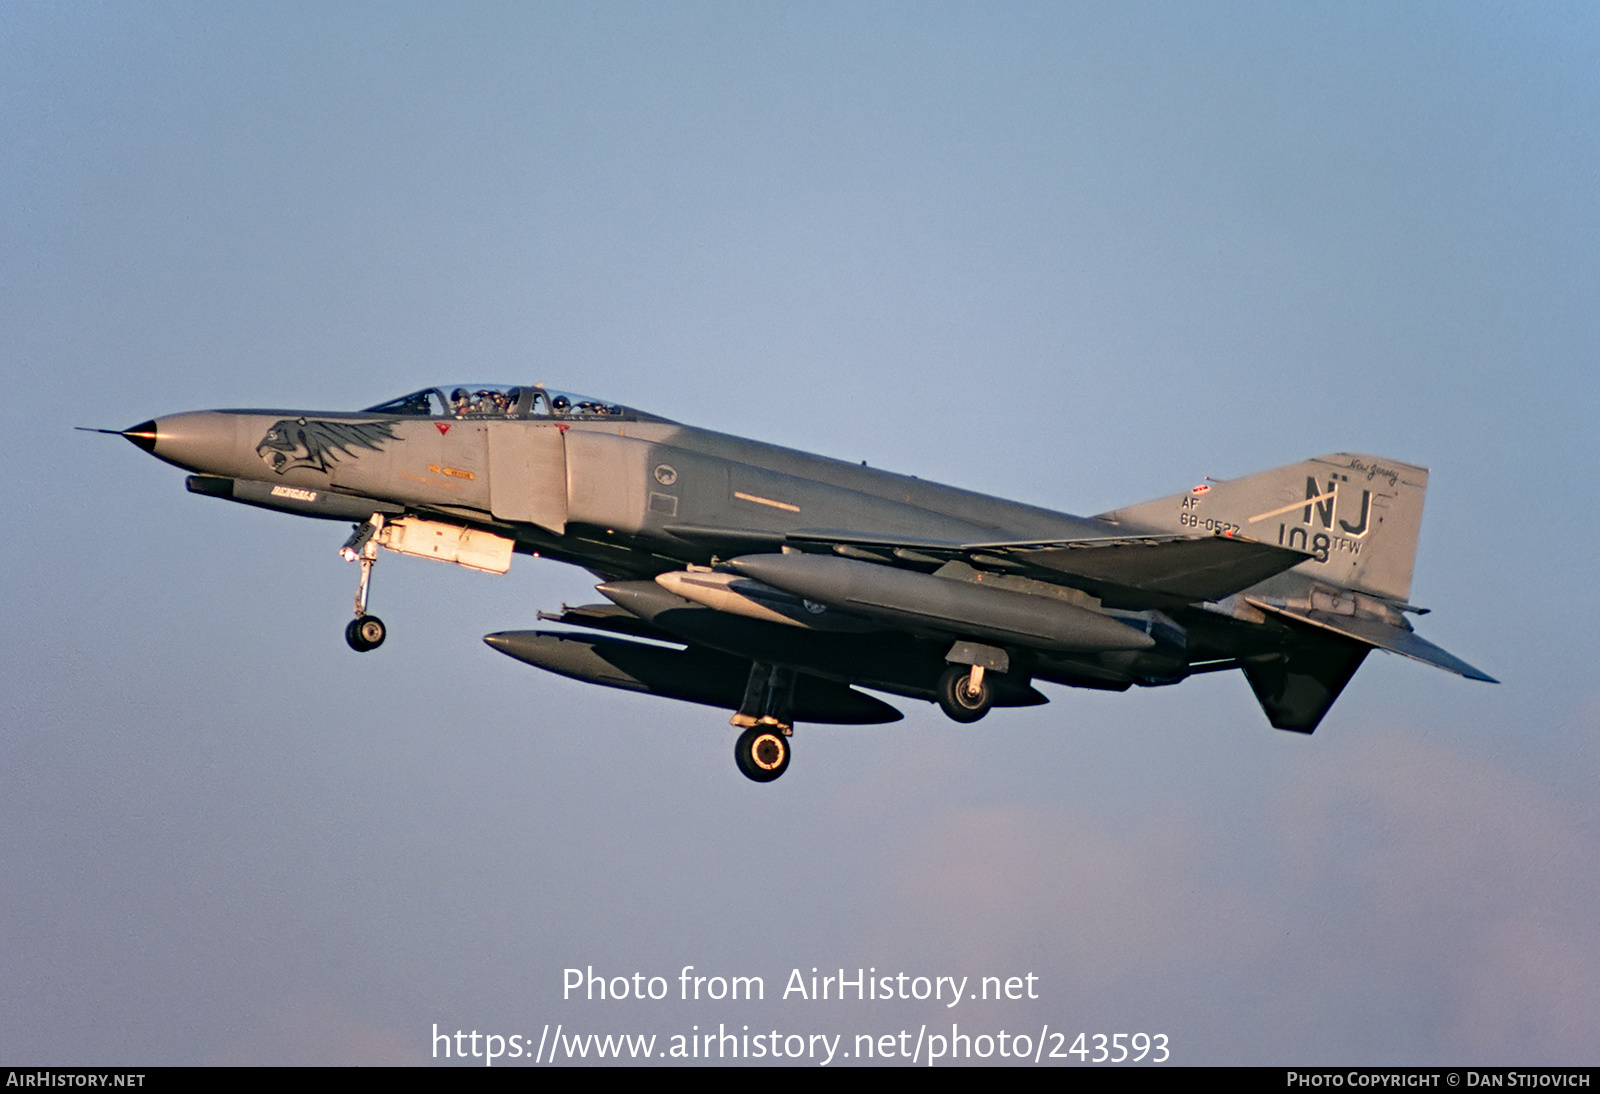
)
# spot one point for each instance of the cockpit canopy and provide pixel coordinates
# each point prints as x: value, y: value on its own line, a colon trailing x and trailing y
x: 500, y: 401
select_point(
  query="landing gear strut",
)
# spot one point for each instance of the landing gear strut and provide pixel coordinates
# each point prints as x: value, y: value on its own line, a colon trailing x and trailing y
x: 767, y: 717
x: 364, y: 632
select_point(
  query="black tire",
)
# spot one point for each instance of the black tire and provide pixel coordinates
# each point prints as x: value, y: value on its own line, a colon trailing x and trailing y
x: 762, y: 753
x: 957, y: 701
x: 365, y: 633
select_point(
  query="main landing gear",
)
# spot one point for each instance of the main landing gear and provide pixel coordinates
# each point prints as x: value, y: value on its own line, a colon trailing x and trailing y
x: 767, y: 717
x: 964, y: 695
x: 762, y: 753
x: 364, y: 632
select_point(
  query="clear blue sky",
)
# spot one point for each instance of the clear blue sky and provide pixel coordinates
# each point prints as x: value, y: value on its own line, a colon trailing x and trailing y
x: 1075, y: 255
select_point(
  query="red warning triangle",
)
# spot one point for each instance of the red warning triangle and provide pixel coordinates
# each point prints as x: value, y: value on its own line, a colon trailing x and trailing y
x: 444, y: 427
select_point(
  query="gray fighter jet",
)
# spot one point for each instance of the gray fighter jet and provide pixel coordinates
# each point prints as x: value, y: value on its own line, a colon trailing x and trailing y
x: 776, y: 583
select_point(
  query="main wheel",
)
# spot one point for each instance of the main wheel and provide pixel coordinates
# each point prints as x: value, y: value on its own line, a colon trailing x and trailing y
x: 365, y: 633
x: 958, y: 700
x: 762, y: 753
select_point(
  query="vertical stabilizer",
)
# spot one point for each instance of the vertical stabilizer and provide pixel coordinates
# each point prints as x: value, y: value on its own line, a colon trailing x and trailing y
x: 1358, y: 516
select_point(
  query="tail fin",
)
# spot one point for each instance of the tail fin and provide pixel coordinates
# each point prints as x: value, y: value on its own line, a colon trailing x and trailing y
x: 1357, y: 515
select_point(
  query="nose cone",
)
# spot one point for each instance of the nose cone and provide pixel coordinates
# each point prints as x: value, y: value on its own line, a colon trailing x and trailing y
x: 143, y: 435
x: 199, y: 441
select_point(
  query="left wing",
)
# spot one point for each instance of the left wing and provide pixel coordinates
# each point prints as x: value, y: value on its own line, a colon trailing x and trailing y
x: 1133, y: 572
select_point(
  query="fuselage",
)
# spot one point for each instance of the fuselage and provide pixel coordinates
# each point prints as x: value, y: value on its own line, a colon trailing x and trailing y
x: 631, y: 497
x: 624, y: 495
x: 1291, y: 575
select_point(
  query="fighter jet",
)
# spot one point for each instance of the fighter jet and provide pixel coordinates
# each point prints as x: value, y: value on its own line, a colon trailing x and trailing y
x: 778, y: 584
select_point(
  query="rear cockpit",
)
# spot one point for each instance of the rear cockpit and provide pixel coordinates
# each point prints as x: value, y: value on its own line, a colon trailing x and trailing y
x: 499, y: 401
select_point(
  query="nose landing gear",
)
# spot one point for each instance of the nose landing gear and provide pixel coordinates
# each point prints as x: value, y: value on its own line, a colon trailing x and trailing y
x: 364, y: 632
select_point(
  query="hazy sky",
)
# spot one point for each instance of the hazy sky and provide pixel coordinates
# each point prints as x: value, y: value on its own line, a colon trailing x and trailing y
x: 1075, y: 255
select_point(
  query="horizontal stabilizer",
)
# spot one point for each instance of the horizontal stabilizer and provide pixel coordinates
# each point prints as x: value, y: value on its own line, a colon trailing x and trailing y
x: 1373, y: 632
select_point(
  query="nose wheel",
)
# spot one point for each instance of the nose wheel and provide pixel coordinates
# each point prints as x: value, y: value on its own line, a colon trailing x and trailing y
x: 364, y: 632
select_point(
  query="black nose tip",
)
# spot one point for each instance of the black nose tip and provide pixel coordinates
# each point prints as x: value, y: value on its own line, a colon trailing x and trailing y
x: 143, y: 435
